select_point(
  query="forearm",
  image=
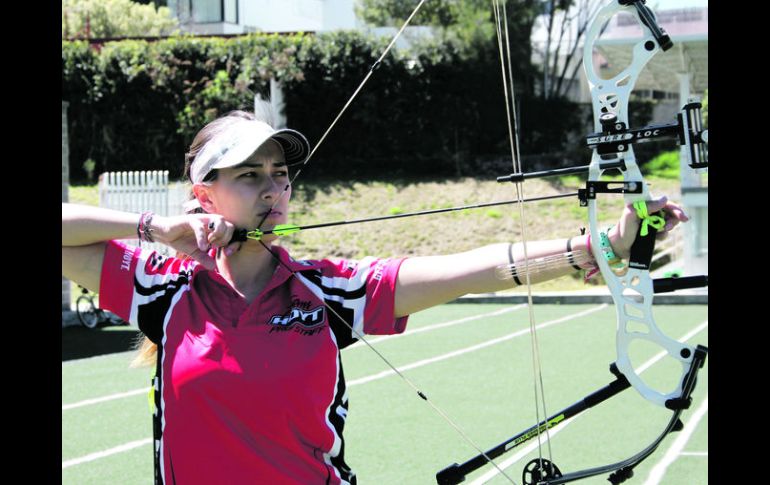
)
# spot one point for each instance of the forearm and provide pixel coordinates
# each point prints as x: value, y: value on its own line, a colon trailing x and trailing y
x: 427, y: 281
x: 83, y: 225
x: 556, y: 250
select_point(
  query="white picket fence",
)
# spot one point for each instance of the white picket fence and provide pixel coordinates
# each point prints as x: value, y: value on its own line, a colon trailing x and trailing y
x: 135, y: 191
x: 139, y: 192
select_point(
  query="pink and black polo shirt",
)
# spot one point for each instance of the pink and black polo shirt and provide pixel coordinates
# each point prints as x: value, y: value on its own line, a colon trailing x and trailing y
x: 254, y: 392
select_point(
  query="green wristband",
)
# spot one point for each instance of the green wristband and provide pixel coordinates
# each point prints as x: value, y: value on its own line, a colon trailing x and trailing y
x: 604, y: 245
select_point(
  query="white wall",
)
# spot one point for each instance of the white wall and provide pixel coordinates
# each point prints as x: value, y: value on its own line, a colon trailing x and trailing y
x: 281, y: 15
x: 340, y: 14
x: 297, y: 15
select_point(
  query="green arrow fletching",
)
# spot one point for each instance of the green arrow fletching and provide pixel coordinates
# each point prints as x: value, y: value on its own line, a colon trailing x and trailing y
x: 285, y: 229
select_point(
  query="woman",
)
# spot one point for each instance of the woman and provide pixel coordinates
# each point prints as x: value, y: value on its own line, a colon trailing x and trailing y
x: 249, y: 385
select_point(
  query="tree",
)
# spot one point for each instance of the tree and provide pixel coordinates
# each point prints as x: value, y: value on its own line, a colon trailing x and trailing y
x: 468, y: 28
x: 565, y: 23
x: 82, y: 19
x: 471, y: 21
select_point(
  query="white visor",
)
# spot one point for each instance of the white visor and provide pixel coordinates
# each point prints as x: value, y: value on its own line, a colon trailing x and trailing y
x: 240, y: 140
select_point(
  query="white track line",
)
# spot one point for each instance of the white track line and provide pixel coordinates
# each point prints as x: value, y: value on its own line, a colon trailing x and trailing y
x: 472, y: 348
x: 514, y: 459
x: 97, y: 400
x: 437, y: 326
x: 134, y: 444
x: 656, y: 474
x: 105, y: 453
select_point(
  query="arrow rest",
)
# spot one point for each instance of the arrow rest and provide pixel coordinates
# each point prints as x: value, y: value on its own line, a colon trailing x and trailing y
x: 594, y: 187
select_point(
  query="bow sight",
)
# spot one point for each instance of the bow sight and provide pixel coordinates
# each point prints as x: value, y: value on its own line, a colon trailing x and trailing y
x: 615, y: 137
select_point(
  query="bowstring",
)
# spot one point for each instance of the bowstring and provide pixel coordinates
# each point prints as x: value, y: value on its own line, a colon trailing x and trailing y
x: 395, y: 370
x: 501, y: 23
x: 342, y: 111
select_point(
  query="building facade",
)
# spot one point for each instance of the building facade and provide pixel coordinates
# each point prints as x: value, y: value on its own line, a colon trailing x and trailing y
x: 243, y: 16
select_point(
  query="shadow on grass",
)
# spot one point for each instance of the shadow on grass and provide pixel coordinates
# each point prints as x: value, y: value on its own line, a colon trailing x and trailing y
x: 80, y: 342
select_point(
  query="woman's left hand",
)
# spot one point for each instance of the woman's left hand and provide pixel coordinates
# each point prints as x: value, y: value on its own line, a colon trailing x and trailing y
x: 623, y: 234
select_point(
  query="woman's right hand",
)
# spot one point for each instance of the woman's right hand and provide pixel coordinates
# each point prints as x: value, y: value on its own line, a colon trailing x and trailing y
x: 195, y: 235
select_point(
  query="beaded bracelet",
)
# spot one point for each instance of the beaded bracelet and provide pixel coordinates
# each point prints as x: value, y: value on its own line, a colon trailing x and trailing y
x: 616, y: 264
x: 143, y: 230
x: 614, y: 261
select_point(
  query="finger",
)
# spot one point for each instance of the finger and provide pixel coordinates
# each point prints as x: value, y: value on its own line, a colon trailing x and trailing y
x: 655, y: 205
x: 670, y: 225
x: 220, y: 233
x: 214, y: 229
x: 677, y: 212
x: 227, y: 237
x: 233, y: 248
x: 201, y: 236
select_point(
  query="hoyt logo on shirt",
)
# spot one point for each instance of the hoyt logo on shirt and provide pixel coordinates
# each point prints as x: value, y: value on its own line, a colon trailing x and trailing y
x: 306, y: 322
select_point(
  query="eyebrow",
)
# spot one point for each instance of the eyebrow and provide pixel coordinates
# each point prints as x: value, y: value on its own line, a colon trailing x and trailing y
x: 255, y: 164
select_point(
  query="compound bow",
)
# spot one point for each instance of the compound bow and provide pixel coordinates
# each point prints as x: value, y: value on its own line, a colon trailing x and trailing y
x: 632, y: 290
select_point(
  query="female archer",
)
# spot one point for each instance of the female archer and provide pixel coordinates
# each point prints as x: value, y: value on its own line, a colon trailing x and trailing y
x: 246, y: 340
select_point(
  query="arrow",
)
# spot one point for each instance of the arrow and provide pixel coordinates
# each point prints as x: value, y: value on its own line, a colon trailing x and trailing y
x: 287, y: 229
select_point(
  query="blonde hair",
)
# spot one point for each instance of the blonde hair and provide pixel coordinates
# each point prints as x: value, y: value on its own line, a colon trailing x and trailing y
x: 147, y: 350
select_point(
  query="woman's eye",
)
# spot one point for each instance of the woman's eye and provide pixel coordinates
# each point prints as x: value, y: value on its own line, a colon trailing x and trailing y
x: 249, y: 175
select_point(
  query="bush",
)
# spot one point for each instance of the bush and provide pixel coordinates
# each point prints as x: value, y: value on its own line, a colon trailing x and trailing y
x: 665, y: 165
x: 437, y: 109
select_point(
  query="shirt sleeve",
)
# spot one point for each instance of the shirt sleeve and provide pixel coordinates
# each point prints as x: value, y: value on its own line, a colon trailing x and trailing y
x: 379, y: 318
x: 139, y: 285
x: 370, y: 294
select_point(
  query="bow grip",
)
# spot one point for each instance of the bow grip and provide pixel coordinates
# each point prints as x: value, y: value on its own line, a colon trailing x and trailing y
x: 643, y: 247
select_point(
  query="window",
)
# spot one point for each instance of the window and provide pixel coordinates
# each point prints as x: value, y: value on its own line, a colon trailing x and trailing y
x: 231, y: 11
x: 205, y: 11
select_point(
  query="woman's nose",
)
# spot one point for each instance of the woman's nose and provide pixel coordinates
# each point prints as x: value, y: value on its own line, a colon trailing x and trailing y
x: 271, y: 189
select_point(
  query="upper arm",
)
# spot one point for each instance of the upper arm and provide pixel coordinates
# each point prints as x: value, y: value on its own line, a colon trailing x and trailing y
x: 83, y: 264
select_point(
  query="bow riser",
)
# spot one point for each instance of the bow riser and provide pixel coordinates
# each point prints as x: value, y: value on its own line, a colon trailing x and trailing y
x: 612, y: 95
x: 632, y: 291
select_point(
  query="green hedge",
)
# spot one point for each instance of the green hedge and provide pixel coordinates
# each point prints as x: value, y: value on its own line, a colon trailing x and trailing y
x: 136, y: 105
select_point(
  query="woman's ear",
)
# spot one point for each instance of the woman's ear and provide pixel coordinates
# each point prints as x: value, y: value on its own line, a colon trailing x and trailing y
x: 203, y: 194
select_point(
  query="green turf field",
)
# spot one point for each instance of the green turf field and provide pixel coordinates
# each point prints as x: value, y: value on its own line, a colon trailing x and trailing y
x: 478, y: 370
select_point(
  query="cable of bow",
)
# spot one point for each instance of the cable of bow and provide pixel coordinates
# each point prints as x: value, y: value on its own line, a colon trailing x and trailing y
x: 503, y: 41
